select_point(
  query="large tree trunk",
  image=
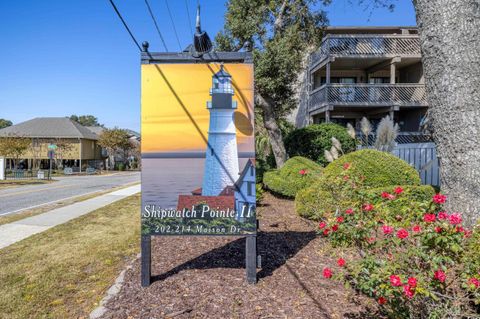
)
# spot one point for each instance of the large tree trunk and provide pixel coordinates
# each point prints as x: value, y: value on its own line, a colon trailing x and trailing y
x: 450, y: 42
x: 274, y: 132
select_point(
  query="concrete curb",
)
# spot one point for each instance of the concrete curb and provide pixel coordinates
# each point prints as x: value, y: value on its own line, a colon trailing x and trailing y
x: 98, y: 312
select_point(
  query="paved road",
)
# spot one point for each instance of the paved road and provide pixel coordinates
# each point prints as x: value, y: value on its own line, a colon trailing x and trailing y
x: 21, y: 229
x: 19, y: 198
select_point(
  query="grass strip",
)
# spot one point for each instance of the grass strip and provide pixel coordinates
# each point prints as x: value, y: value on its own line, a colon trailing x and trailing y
x: 65, y: 271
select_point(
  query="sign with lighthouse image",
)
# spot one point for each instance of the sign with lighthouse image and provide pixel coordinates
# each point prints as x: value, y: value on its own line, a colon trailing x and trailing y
x: 198, y: 153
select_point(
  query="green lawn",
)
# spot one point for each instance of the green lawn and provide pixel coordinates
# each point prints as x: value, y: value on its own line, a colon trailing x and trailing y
x: 65, y: 271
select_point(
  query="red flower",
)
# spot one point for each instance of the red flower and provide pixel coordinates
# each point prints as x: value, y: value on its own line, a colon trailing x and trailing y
x: 442, y: 215
x: 388, y: 195
x: 346, y: 177
x: 367, y: 207
x: 387, y: 229
x: 409, y: 291
x: 459, y: 229
x: 302, y: 172
x: 412, y: 282
x: 467, y: 233
x: 371, y: 240
x: 327, y: 272
x: 340, y: 219
x: 438, y: 229
x: 398, y: 190
x: 416, y: 228
x: 395, y: 281
x: 439, y: 198
x: 341, y: 262
x: 402, y: 233
x: 474, y: 281
x: 439, y: 275
x: 326, y: 231
x: 335, y: 227
x: 455, y: 219
x: 349, y: 211
x: 429, y: 218
x: 382, y: 300
x: 346, y: 166
x: 322, y: 225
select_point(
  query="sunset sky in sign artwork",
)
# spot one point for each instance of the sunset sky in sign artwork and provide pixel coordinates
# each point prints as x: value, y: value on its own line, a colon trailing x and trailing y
x: 166, y: 126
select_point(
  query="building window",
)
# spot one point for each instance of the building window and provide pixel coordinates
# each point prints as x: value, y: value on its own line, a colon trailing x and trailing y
x: 250, y: 188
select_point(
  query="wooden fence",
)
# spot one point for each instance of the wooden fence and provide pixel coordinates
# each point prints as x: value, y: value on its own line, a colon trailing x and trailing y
x: 422, y: 156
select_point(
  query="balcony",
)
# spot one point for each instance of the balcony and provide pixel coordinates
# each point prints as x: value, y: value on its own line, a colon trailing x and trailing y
x: 401, y: 94
x: 365, y: 46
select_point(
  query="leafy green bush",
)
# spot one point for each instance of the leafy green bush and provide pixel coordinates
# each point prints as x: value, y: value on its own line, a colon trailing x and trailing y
x: 401, y: 210
x: 297, y: 173
x: 312, y: 202
x: 259, y: 192
x: 261, y: 166
x: 312, y: 141
x: 423, y: 266
x: 377, y: 168
x: 369, y: 171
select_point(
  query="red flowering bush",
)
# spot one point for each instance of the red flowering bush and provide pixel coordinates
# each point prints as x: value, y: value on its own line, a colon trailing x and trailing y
x: 417, y: 262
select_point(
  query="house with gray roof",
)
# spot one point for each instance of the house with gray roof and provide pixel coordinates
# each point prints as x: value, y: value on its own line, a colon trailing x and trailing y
x: 76, y: 145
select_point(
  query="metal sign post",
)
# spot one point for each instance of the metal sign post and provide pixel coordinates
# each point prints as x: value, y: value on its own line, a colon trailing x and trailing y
x: 51, y: 155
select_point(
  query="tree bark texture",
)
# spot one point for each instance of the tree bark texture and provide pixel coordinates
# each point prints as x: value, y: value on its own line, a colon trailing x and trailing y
x: 450, y: 43
x: 274, y: 132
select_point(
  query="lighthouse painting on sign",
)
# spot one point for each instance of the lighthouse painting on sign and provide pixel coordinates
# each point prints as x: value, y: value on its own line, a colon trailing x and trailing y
x: 198, y: 154
x: 221, y: 164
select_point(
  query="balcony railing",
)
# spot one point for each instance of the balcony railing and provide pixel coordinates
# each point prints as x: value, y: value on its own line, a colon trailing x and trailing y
x: 368, y: 95
x: 366, y: 46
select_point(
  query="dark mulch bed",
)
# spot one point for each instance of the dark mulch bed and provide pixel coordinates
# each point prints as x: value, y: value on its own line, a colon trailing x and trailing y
x: 204, y: 277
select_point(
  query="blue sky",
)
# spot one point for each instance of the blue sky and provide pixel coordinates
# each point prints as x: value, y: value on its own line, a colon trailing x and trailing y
x: 59, y: 57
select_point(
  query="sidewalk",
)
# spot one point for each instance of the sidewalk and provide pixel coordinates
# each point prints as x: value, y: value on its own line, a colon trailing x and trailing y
x: 16, y: 231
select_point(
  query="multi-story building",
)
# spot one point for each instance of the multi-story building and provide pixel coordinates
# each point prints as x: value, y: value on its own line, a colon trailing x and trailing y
x: 365, y: 72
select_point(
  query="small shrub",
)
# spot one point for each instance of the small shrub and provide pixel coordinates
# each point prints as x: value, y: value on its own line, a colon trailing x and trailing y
x: 378, y: 169
x: 312, y: 141
x: 369, y: 172
x: 420, y: 265
x: 261, y: 166
x: 402, y: 210
x: 297, y: 173
x: 259, y: 193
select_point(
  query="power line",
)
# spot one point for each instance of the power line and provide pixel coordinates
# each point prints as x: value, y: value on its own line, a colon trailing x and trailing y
x: 173, y: 25
x: 125, y: 25
x: 189, y: 20
x: 156, y: 25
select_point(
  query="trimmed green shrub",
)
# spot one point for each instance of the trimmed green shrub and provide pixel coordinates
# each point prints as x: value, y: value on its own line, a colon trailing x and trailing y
x: 312, y: 141
x: 377, y: 168
x: 297, y: 173
x: 367, y: 172
x: 401, y: 210
x: 313, y: 201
